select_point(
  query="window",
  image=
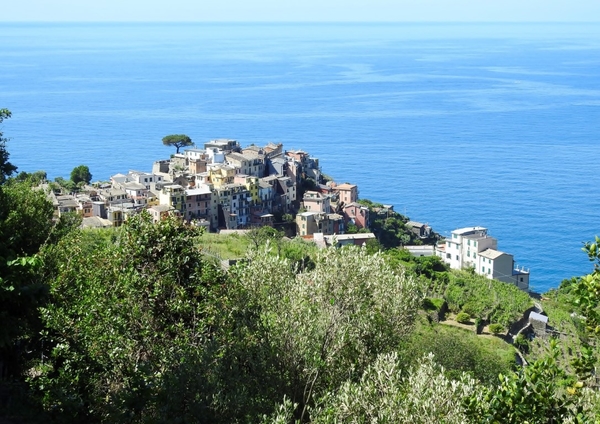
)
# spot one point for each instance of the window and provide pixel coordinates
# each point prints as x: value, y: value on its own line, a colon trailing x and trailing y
x: 448, y: 256
x: 474, y: 243
x: 469, y: 254
x: 474, y: 255
x: 454, y: 236
x: 489, y: 270
x: 521, y: 279
x: 482, y: 269
x: 457, y: 257
x: 468, y: 242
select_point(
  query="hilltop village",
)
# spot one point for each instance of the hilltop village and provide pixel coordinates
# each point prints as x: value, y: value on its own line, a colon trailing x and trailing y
x: 224, y: 187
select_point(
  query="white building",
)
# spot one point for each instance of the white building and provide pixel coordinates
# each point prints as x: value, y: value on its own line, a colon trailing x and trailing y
x: 472, y: 247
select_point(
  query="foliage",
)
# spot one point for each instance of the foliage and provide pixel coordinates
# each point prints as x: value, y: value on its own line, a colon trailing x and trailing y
x: 34, y: 178
x: 307, y: 184
x: 384, y: 395
x: 522, y: 343
x: 430, y: 268
x: 177, y: 140
x: 25, y: 225
x: 587, y: 290
x: 68, y: 185
x: 490, y: 300
x: 6, y: 168
x: 539, y: 393
x: 584, y: 296
x: 258, y: 236
x: 463, y: 318
x: 81, y: 174
x: 299, y: 253
x: 496, y: 328
x: 330, y: 322
x: 351, y: 228
x: 387, y: 225
x: 230, y: 246
x: 373, y: 246
x: 433, y: 304
x: 460, y: 351
x: 129, y: 326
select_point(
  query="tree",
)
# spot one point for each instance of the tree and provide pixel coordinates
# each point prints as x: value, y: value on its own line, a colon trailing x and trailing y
x: 25, y: 225
x: 177, y: 140
x: 383, y: 394
x: 259, y: 235
x: 36, y: 178
x: 539, y: 394
x: 6, y: 168
x: 329, y: 323
x: 137, y: 330
x: 81, y: 174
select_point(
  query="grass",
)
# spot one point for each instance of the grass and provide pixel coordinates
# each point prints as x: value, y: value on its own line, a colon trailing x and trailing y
x: 461, y: 350
x: 230, y: 246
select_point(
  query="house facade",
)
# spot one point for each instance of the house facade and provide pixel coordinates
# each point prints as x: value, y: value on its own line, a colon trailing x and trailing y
x: 472, y: 247
x: 348, y: 193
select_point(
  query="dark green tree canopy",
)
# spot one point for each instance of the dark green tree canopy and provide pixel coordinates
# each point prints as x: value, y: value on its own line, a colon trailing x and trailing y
x: 80, y: 174
x: 6, y: 168
x: 177, y: 140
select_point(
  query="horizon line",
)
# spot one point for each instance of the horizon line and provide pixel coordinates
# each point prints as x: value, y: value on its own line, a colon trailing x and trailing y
x: 283, y: 22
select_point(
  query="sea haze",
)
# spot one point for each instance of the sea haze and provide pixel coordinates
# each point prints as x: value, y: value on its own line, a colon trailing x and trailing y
x: 456, y: 125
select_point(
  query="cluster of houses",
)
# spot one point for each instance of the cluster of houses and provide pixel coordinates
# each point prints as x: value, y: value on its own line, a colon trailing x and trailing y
x: 223, y: 186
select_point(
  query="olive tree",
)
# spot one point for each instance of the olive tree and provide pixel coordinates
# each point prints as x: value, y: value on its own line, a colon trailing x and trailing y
x: 330, y: 322
x: 385, y: 394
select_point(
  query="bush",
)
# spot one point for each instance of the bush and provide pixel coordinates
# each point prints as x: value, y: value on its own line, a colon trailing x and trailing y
x: 463, y: 318
x: 522, y: 343
x: 433, y: 304
x: 496, y: 328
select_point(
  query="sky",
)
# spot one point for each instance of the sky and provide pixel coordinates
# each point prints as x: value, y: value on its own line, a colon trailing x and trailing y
x: 301, y: 10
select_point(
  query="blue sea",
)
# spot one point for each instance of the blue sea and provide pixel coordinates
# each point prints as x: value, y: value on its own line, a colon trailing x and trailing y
x: 456, y: 125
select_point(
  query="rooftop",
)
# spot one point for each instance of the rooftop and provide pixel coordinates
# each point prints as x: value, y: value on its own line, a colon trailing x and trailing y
x: 467, y: 230
x: 203, y: 189
x: 345, y: 186
x: 344, y: 237
x: 491, y: 253
x: 161, y: 208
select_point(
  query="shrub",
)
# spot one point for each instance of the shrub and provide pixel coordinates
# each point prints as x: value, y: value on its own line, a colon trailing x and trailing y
x: 463, y: 318
x: 433, y: 304
x: 471, y: 309
x: 522, y: 343
x: 496, y: 328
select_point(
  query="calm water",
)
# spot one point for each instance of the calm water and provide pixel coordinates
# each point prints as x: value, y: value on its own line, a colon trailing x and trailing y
x: 456, y: 125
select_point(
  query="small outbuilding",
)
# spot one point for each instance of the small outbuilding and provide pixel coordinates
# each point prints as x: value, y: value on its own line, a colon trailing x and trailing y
x: 539, y: 322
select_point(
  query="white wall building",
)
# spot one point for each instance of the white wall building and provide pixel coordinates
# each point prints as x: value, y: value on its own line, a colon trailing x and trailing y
x: 472, y: 247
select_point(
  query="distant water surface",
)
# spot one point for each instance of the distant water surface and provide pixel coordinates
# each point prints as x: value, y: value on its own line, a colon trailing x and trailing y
x: 456, y: 125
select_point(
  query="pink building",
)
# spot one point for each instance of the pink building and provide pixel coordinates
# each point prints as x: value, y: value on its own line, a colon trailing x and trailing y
x: 357, y: 214
x: 348, y: 192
